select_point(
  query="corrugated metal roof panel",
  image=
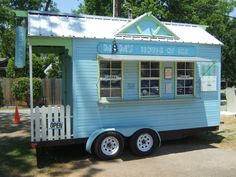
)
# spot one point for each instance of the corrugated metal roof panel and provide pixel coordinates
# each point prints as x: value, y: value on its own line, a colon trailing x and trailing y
x: 193, y: 34
x: 63, y: 26
x: 86, y: 26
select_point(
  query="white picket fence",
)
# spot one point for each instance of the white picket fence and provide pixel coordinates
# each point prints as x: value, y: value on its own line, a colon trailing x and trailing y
x: 51, y: 123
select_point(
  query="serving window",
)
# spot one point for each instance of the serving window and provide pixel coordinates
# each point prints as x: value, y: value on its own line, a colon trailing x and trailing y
x: 110, y: 79
x: 149, y: 79
x: 185, y: 78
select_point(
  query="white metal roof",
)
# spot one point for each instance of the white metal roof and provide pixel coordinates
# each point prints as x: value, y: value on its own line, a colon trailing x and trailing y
x: 87, y: 26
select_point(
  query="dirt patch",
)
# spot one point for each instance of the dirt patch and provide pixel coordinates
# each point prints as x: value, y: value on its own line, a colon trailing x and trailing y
x: 225, y: 137
x: 228, y: 131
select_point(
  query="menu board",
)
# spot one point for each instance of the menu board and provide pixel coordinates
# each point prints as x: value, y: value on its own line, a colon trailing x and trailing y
x: 168, y: 73
x: 168, y: 88
x: 208, y: 83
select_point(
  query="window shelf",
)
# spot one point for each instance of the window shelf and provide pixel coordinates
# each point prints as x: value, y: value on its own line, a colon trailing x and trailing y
x: 148, y: 100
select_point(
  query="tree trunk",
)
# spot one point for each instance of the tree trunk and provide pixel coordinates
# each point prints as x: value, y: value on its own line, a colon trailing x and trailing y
x: 47, y: 5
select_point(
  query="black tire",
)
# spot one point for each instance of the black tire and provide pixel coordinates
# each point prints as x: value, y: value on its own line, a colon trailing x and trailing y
x: 109, y: 145
x: 143, y: 142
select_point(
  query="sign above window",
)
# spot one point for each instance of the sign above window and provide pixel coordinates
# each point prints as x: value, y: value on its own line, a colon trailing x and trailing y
x: 147, y: 49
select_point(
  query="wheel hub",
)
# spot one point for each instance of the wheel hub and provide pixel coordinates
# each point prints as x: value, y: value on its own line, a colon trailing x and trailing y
x: 145, y: 142
x: 110, y: 146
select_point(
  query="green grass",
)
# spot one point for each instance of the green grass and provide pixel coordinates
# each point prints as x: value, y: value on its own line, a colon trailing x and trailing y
x: 16, y: 156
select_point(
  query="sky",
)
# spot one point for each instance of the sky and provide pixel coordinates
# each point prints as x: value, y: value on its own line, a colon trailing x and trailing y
x: 233, y: 13
x: 68, y: 5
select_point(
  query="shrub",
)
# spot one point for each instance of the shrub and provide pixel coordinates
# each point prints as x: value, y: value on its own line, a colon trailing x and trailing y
x: 21, y: 89
x: 1, y: 96
x: 10, y: 72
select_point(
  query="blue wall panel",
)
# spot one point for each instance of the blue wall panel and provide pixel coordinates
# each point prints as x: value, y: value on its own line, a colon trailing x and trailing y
x: 130, y: 80
x: 165, y: 113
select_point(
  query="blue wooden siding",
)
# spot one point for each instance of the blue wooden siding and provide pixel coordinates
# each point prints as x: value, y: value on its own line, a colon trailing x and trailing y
x: 130, y: 80
x: 162, y: 114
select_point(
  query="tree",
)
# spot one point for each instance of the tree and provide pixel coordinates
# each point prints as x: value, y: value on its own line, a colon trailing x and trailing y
x: 10, y: 72
x: 48, y: 4
x: 21, y: 89
x: 206, y: 12
x: 8, y: 21
x: 55, y: 63
x: 39, y: 65
x: 140, y: 7
x: 96, y: 7
x: 6, y: 33
x: 229, y: 53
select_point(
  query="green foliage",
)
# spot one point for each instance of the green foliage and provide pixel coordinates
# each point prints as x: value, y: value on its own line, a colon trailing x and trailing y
x: 39, y: 65
x: 206, y: 12
x: 8, y: 43
x: 13, y: 72
x: 20, y: 89
x: 8, y: 22
x: 38, y: 69
x: 229, y: 53
x: 80, y: 10
x: 55, y: 70
x: 10, y: 71
x: 1, y: 96
x: 96, y: 7
x: 140, y: 7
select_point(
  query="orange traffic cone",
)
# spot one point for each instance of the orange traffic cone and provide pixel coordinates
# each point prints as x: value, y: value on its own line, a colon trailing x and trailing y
x: 17, y: 116
x: 33, y: 146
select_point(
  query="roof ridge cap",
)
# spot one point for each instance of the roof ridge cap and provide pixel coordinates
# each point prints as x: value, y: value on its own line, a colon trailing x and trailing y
x: 105, y: 17
x: 180, y: 24
x: 78, y: 15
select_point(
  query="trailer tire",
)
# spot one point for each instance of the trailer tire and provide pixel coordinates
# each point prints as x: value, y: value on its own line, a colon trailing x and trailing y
x: 109, y: 145
x: 143, y: 142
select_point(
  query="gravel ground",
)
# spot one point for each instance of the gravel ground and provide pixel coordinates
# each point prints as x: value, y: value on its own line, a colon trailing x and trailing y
x: 212, y: 155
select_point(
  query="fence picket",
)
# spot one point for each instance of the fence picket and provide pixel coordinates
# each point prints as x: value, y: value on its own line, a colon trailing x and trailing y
x: 33, y: 116
x: 62, y: 118
x: 37, y: 124
x: 44, y: 123
x: 56, y: 130
x: 50, y: 133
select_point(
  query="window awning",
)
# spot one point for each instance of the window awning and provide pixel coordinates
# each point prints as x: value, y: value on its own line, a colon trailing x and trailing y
x: 151, y: 58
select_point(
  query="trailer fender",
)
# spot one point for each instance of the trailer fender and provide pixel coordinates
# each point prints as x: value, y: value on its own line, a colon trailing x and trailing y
x: 159, y: 137
x: 94, y: 135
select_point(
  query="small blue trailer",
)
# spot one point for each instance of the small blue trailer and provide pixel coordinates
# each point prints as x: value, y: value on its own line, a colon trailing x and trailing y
x: 135, y: 81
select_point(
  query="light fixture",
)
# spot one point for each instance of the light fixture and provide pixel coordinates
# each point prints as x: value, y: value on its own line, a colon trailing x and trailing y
x: 114, y: 47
